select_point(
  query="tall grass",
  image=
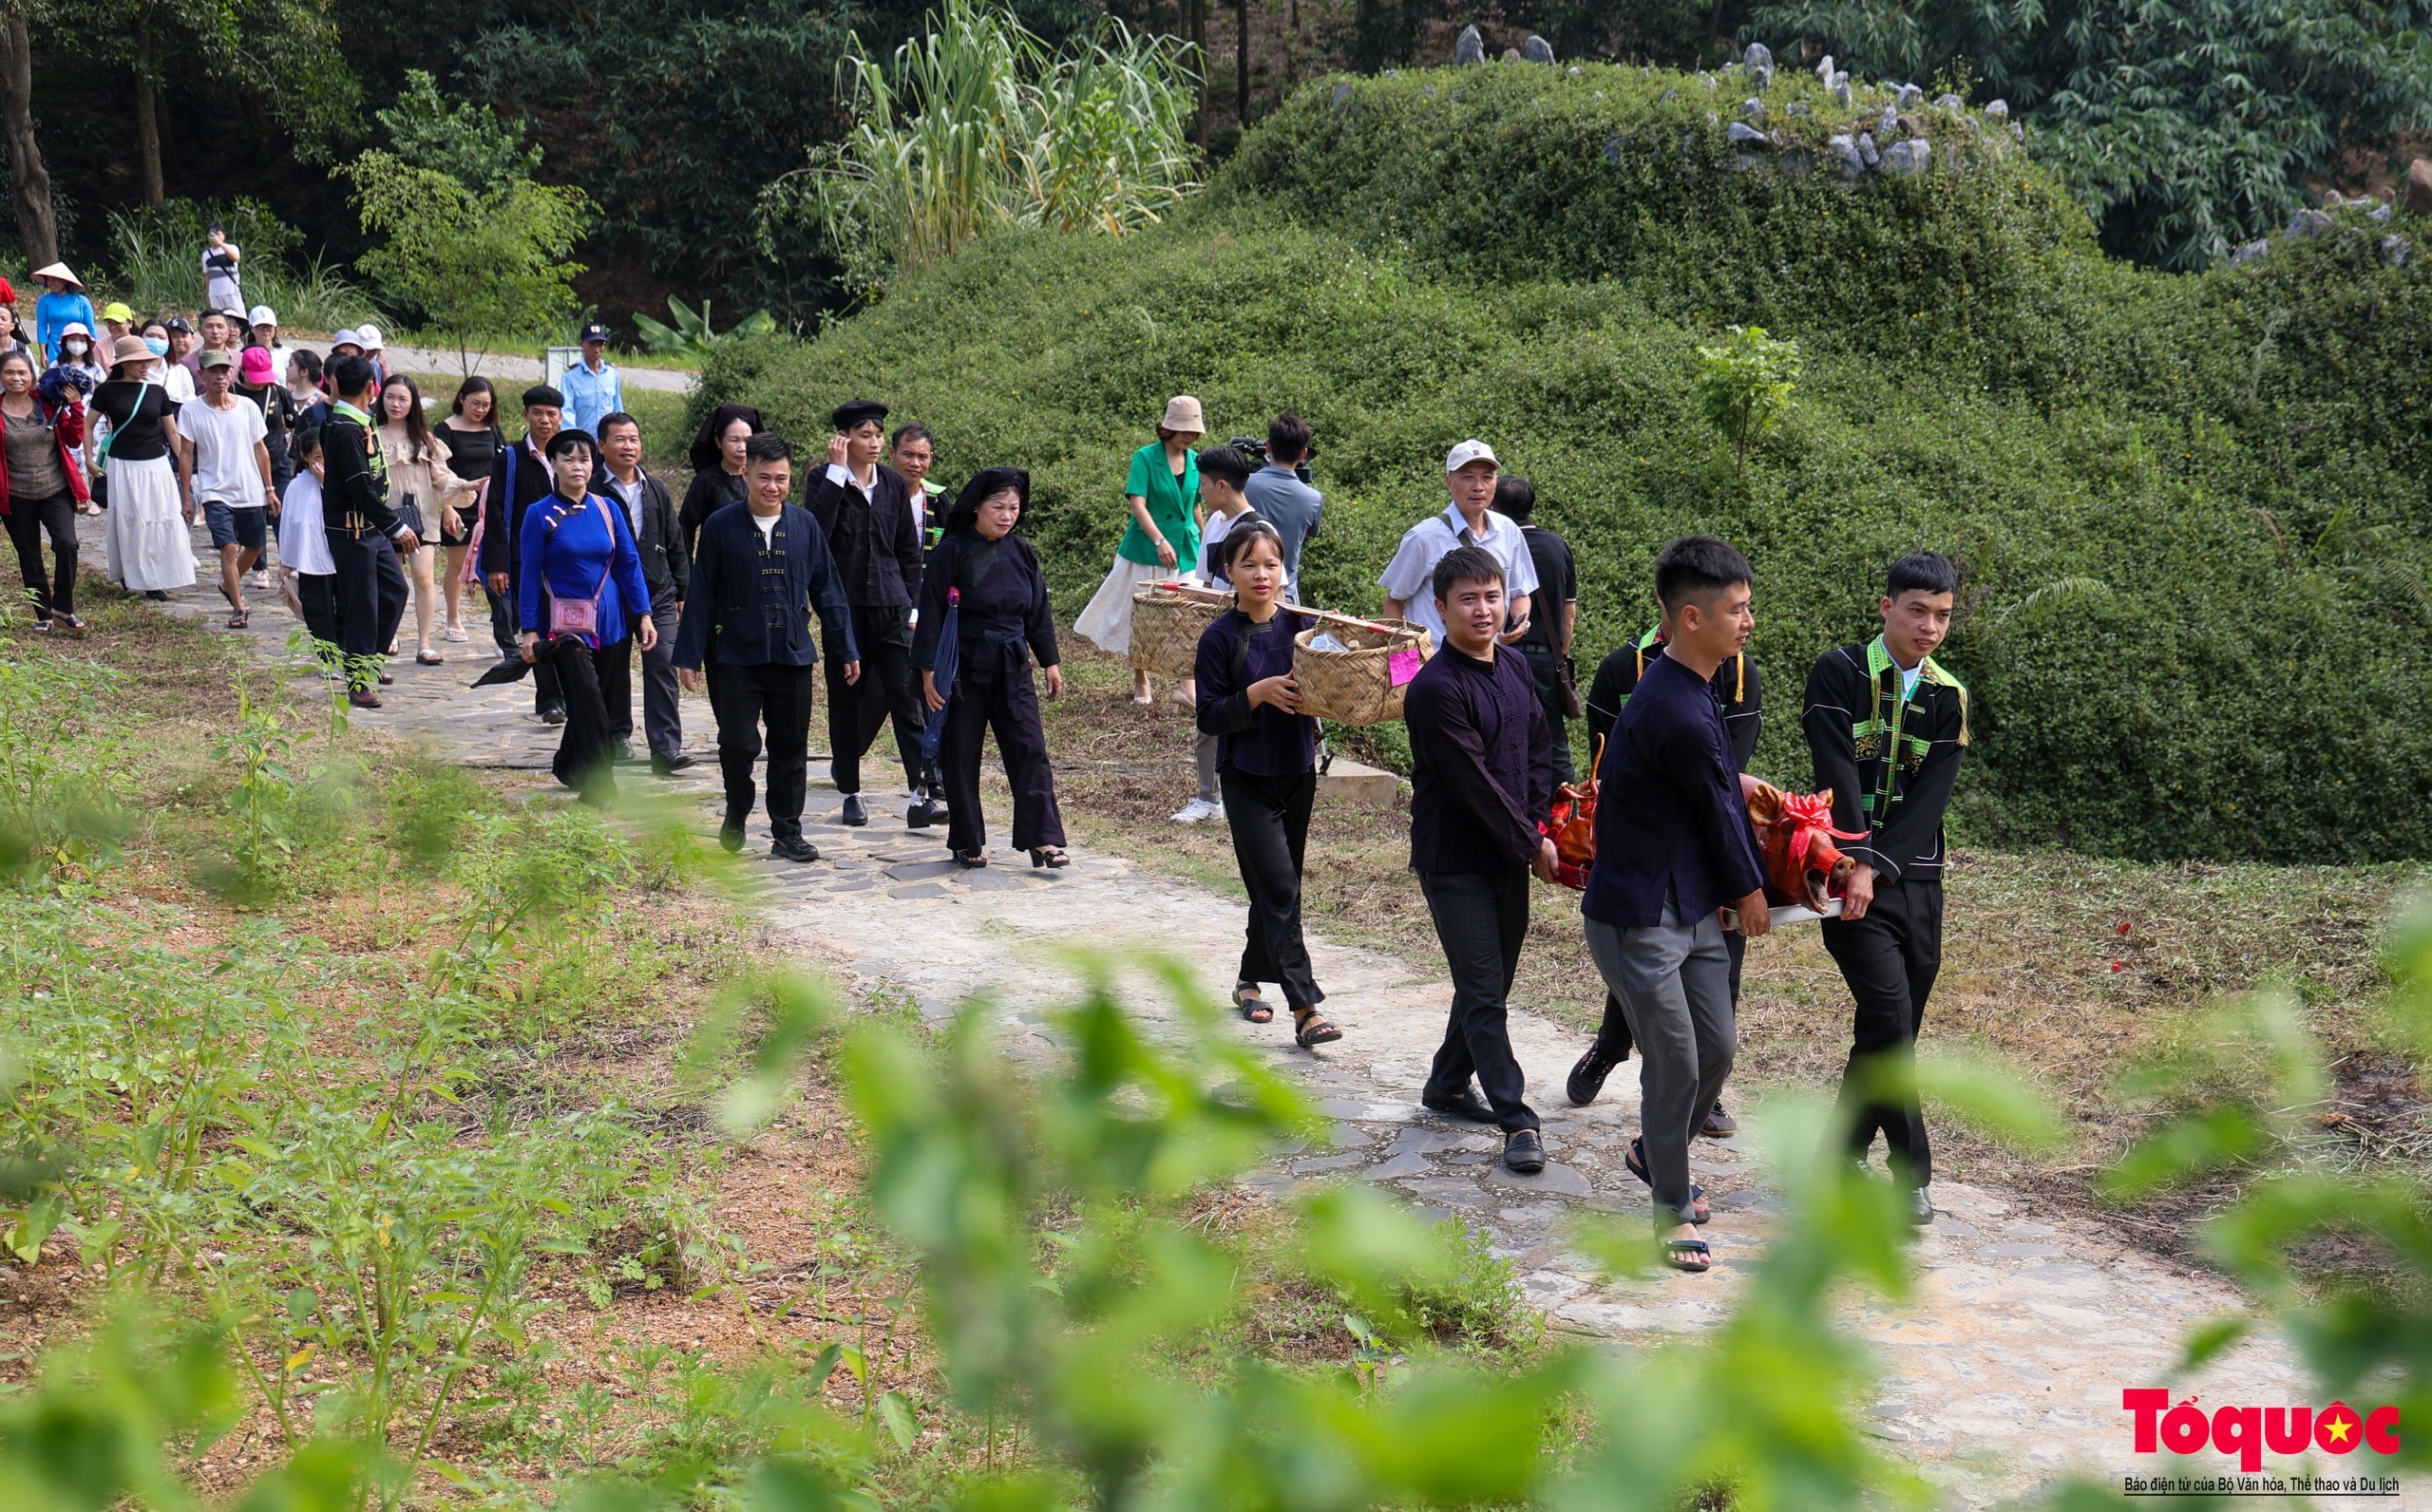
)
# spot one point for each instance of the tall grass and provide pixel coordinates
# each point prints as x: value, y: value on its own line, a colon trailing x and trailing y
x: 156, y: 265
x: 977, y: 124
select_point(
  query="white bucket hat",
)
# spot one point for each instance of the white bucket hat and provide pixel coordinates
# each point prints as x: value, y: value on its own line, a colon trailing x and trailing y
x: 1183, y: 413
x: 368, y: 336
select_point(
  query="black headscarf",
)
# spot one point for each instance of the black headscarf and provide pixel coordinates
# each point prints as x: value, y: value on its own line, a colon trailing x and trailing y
x: 987, y: 482
x: 705, y: 441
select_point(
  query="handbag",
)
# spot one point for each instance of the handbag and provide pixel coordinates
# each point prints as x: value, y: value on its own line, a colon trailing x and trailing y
x: 409, y: 511
x: 1567, y: 678
x: 580, y: 617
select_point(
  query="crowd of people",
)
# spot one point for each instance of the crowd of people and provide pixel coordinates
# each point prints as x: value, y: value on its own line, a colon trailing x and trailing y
x: 933, y: 621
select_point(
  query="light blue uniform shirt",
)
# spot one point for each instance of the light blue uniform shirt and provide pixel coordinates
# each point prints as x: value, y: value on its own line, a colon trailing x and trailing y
x: 591, y: 397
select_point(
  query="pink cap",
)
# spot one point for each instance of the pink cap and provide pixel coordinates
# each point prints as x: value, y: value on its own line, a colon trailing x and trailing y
x: 255, y: 366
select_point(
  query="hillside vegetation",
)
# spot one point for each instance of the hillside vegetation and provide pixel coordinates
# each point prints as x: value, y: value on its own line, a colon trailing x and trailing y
x: 2188, y: 507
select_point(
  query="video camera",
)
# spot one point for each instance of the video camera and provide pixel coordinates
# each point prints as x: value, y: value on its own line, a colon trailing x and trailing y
x: 1254, y: 447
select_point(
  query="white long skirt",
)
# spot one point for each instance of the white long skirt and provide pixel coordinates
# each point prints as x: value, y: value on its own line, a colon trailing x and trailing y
x: 148, y: 544
x: 1107, y: 619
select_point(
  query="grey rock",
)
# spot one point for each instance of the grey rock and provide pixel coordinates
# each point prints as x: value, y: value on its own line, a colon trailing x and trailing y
x: 1432, y: 1142
x: 1342, y: 95
x: 1558, y: 1179
x: 1447, y: 1191
x: 1758, y: 56
x: 2378, y: 213
x: 1748, y: 1200
x: 1512, y: 55
x: 1796, y: 164
x: 1613, y: 150
x: 1667, y: 95
x: 1471, y: 48
x: 1998, y: 110
x: 2396, y: 250
x: 1949, y: 102
x: 2018, y: 1251
x: 1887, y: 126
x: 1763, y: 77
x: 1846, y: 156
x: 1741, y: 131
x: 2018, y: 131
x: 1537, y: 50
x: 2310, y: 224
x: 1399, y: 1167
x: 918, y: 890
x: 994, y: 880
x: 1798, y: 107
x: 1824, y: 71
x: 1426, y: 91
x: 1841, y: 95
x: 2254, y: 251
x: 1746, y: 161
x: 1326, y: 1162
x: 920, y: 871
x: 1909, y: 159
x: 1908, y: 97
x: 1752, y: 108
x: 1867, y: 151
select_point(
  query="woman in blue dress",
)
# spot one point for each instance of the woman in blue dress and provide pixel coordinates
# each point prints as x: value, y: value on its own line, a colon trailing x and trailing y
x: 585, y: 605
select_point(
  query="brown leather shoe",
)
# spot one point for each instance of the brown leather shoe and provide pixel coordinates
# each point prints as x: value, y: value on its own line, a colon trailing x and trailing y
x: 363, y: 698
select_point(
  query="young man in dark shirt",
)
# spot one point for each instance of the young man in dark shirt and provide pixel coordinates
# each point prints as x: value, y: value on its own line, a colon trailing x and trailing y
x: 1553, y: 610
x: 1481, y: 786
x: 1888, y: 727
x: 1741, y: 692
x: 864, y: 507
x: 365, y: 534
x: 1673, y: 849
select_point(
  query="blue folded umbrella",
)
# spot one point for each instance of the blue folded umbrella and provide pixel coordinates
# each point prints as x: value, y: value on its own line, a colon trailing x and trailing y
x: 933, y: 734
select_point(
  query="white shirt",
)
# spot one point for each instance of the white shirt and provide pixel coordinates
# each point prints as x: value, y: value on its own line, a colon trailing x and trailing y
x: 1220, y: 526
x: 222, y: 286
x: 1411, y: 576
x: 302, y: 543
x: 630, y: 495
x: 224, y: 465
x: 767, y: 524
x: 178, y: 382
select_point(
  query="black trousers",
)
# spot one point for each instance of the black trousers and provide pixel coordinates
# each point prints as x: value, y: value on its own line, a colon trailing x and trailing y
x: 1009, y: 705
x: 663, y: 724
x: 29, y: 520
x: 1890, y: 959
x: 506, y: 630
x: 744, y: 699
x: 1614, y: 1037
x: 1481, y: 920
x: 584, y: 674
x: 888, y: 689
x: 371, y: 598
x: 1270, y: 818
x: 317, y: 592
x: 1544, y: 666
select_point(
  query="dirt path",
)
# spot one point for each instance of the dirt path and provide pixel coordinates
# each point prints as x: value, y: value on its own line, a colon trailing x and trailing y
x: 2006, y: 1368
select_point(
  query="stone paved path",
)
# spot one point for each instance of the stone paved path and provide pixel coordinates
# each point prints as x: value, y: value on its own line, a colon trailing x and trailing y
x: 2006, y: 1368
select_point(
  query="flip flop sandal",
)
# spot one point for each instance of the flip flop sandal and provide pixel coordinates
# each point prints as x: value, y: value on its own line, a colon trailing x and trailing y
x: 1313, y: 1030
x: 1693, y: 1255
x: 430, y: 658
x: 1257, y: 1010
x: 42, y: 627
x: 1636, y: 1161
x: 241, y: 619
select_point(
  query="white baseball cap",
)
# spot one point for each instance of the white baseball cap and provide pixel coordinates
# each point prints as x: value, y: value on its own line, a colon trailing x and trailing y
x: 1468, y: 452
x: 368, y: 336
x: 261, y: 315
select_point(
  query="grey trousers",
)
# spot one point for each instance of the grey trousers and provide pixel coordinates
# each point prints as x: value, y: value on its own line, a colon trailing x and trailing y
x: 1673, y: 981
x: 1203, y: 752
x: 662, y: 719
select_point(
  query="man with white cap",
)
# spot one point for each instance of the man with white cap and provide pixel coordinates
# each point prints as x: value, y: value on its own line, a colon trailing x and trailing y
x: 593, y: 387
x: 263, y: 322
x: 369, y: 334
x: 62, y: 303
x: 1470, y: 519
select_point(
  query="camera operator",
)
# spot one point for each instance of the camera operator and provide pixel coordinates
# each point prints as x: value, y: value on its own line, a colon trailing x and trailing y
x: 1281, y: 495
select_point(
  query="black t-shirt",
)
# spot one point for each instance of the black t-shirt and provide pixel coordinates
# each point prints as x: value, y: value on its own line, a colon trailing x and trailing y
x: 1557, y: 585
x: 135, y: 413
x: 470, y: 453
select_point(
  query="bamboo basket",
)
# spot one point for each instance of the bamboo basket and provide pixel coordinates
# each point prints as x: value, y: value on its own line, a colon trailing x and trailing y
x: 1358, y: 685
x: 1166, y: 621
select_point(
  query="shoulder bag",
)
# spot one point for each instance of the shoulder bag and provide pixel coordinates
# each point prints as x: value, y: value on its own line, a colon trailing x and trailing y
x: 580, y: 617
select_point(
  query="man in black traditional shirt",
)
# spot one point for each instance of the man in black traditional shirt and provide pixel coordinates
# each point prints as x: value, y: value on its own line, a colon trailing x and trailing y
x: 1482, y: 772
x: 865, y: 508
x: 1888, y: 727
x: 365, y: 534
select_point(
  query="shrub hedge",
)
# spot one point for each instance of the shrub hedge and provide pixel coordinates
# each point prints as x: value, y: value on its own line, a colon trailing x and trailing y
x: 2187, y: 508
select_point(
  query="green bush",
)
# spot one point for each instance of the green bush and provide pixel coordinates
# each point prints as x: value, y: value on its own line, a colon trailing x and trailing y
x: 2187, y: 508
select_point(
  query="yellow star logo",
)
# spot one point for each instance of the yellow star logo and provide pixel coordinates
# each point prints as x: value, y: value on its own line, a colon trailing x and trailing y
x: 2340, y: 1428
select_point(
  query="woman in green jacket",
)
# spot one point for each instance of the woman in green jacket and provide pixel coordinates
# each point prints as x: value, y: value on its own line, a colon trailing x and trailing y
x: 1163, y: 540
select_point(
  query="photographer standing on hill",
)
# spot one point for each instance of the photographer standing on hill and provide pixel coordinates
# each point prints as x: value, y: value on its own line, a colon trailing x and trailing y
x: 1470, y: 519
x: 1281, y: 499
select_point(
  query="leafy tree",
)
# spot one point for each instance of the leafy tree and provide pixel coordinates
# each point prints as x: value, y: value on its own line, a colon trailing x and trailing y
x: 466, y: 141
x: 1744, y: 385
x: 477, y: 263
x: 2183, y: 126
